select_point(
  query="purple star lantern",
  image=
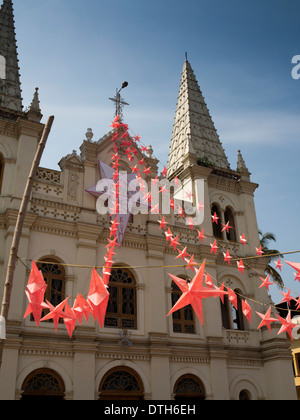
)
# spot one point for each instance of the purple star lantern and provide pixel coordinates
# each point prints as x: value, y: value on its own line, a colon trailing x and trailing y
x: 106, y: 190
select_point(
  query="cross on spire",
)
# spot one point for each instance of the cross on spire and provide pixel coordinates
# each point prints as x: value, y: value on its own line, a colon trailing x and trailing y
x: 119, y: 102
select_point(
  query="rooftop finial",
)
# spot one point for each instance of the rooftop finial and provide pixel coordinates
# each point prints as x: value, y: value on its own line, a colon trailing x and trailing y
x: 186, y: 59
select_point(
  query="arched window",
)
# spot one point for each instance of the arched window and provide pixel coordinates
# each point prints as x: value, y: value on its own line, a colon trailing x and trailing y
x: 45, y: 384
x: 237, y: 314
x: 226, y: 315
x: 1, y: 171
x: 232, y: 318
x: 121, y: 309
x: 228, y: 216
x: 55, y: 277
x: 121, y: 383
x: 217, y: 227
x: 184, y: 319
x: 189, y: 386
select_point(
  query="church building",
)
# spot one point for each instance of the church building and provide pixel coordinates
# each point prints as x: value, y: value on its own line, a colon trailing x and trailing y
x: 140, y: 353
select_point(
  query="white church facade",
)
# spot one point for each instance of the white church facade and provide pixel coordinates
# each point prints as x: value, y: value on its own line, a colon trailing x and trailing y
x: 140, y: 353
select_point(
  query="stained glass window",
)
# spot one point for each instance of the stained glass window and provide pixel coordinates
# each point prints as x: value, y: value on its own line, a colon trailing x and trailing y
x: 121, y: 383
x: 189, y: 386
x: 43, y: 383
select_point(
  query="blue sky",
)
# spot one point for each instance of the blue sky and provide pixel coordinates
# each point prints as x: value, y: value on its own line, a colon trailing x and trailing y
x: 79, y: 52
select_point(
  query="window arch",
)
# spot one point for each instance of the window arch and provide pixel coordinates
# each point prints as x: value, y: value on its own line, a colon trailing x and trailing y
x: 121, y: 383
x: 43, y: 383
x: 189, y: 386
x: 1, y: 171
x: 229, y: 217
x: 121, y: 308
x: 184, y: 318
x: 217, y: 227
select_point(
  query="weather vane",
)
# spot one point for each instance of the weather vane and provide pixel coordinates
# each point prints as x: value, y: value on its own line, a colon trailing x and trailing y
x: 119, y: 101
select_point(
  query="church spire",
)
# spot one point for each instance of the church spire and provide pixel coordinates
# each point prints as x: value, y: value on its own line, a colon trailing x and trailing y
x: 10, y: 86
x: 194, y: 133
x: 34, y: 111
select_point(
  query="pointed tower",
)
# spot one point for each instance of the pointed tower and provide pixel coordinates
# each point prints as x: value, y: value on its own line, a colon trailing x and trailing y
x: 34, y: 111
x: 10, y: 86
x: 194, y: 135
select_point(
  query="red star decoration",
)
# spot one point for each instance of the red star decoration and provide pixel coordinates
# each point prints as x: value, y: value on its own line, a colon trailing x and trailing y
x: 265, y: 282
x: 287, y: 325
x: 226, y: 227
x: 81, y: 308
x: 232, y: 297
x: 215, y: 218
x: 227, y: 257
x: 278, y: 264
x: 162, y: 223
x: 69, y: 322
x: 286, y: 297
x: 98, y: 298
x: 56, y: 312
x: 259, y: 251
x: 193, y: 293
x: 243, y: 239
x: 201, y: 235
x: 214, y: 247
x: 246, y: 309
x: 35, y: 293
x: 174, y: 242
x: 182, y: 254
x: 191, y: 263
x: 266, y: 319
x: 241, y: 266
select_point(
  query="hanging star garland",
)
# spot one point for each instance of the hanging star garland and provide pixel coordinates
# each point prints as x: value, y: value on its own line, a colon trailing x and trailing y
x: 193, y: 293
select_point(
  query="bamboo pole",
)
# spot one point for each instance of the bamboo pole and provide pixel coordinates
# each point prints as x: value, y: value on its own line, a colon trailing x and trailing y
x: 13, y: 256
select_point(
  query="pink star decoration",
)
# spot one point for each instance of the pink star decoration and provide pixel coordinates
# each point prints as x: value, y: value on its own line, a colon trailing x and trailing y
x: 193, y: 293
x: 35, y: 292
x: 287, y: 325
x: 259, y: 251
x: 215, y: 218
x: 56, y: 313
x: 243, y: 239
x: 241, y: 266
x: 98, y: 298
x: 295, y: 266
x: 232, y: 297
x: 201, y: 235
x: 69, y: 322
x: 266, y: 319
x: 214, y: 247
x: 246, y: 309
x: 81, y: 309
x: 182, y: 254
x: 227, y: 257
x: 286, y: 297
x: 162, y: 223
x: 226, y: 227
x: 278, y: 264
x: 265, y: 282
